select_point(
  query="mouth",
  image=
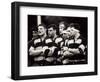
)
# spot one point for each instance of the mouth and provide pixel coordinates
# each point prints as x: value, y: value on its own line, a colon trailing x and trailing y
x: 39, y: 32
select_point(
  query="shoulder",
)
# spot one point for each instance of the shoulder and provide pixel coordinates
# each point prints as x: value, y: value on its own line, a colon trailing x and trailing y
x: 58, y: 39
x: 83, y: 40
x: 48, y: 40
x: 37, y: 40
x: 78, y: 41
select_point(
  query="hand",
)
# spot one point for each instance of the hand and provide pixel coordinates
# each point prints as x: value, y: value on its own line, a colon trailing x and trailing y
x: 49, y: 59
x: 44, y: 48
x: 65, y: 48
x: 39, y: 58
x: 67, y: 53
x: 50, y: 53
x: 53, y: 48
x: 66, y: 61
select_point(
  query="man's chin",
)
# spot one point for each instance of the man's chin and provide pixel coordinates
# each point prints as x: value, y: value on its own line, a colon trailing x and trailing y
x: 40, y: 34
x: 49, y: 36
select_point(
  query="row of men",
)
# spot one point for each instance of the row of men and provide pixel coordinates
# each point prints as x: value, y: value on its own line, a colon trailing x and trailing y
x: 49, y: 48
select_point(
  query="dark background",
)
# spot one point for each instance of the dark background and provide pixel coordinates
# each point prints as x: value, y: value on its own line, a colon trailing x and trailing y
x: 47, y: 20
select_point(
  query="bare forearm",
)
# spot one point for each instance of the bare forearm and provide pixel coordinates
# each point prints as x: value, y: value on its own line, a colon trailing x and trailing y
x: 35, y: 52
x: 74, y: 51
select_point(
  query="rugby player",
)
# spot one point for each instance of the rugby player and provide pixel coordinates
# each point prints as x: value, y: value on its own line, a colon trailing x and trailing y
x: 62, y: 26
x: 52, y: 46
x: 76, y: 45
x: 38, y: 46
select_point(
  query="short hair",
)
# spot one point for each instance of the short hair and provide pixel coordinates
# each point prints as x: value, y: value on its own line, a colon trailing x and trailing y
x: 42, y: 25
x: 65, y: 23
x: 52, y: 26
x: 34, y: 28
x: 75, y: 25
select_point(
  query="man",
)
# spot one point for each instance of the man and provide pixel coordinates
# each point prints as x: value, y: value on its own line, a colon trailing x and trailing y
x: 76, y: 45
x: 62, y: 26
x: 78, y: 40
x: 35, y: 35
x: 52, y: 31
x: 63, y: 53
x: 38, y: 47
x: 52, y: 46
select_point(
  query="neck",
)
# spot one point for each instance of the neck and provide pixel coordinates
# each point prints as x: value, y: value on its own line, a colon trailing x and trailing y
x: 43, y: 36
x: 54, y: 36
x: 77, y: 35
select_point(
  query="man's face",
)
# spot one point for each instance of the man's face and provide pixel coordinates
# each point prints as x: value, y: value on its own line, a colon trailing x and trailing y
x: 66, y: 35
x: 51, y: 32
x: 34, y: 33
x: 61, y: 28
x: 72, y: 30
x: 41, y: 30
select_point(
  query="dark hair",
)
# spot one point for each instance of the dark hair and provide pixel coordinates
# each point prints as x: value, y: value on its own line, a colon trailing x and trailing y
x: 75, y: 25
x: 66, y: 24
x: 34, y: 28
x: 42, y: 25
x: 52, y: 26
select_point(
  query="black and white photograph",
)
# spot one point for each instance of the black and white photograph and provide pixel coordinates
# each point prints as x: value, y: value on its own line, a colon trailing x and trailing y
x: 53, y: 40
x: 56, y: 40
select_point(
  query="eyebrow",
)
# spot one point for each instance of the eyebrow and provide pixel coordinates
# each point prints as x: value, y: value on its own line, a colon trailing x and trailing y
x: 50, y: 30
